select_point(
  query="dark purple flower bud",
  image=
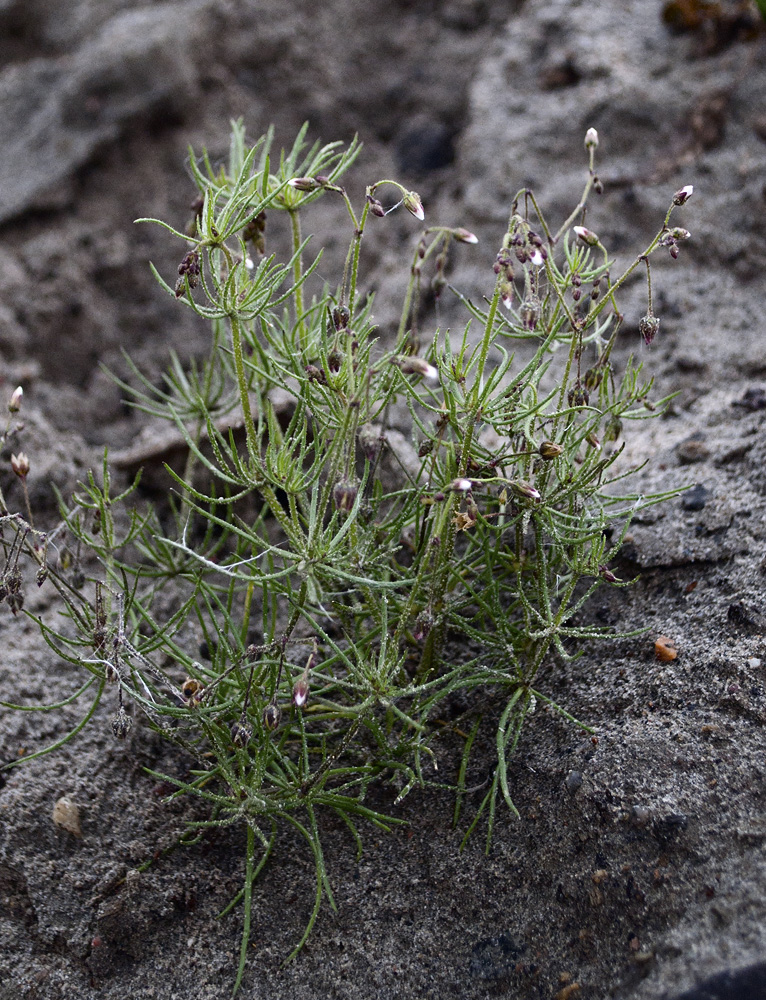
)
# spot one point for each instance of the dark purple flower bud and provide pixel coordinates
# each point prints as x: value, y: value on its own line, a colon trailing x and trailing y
x: 648, y: 327
x: 344, y: 494
x: 682, y: 196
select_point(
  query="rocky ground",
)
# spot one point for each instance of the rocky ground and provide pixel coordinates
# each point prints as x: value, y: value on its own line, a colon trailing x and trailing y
x: 637, y: 869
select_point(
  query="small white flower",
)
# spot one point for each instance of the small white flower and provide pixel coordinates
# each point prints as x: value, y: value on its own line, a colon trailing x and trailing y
x: 462, y: 485
x: 587, y: 235
x: 536, y: 258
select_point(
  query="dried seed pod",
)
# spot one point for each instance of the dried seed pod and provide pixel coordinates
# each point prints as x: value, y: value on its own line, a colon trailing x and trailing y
x: 241, y: 733
x: 122, y: 724
x: 578, y: 395
x: 192, y: 691
x: 549, y: 450
x: 272, y: 716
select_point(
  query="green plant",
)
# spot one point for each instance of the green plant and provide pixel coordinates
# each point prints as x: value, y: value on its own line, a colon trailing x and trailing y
x: 323, y: 581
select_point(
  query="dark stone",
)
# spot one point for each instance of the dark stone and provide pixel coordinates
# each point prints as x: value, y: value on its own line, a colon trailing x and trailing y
x: 695, y: 498
x: 667, y: 828
x: 424, y: 146
x: 753, y: 398
x: 739, y: 984
x: 573, y: 782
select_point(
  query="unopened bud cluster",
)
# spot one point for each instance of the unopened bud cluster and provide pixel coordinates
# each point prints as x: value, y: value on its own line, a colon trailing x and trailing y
x: 188, y: 270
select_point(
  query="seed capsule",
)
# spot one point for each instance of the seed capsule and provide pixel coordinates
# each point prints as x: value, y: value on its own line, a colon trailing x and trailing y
x: 122, y: 724
x: 272, y: 716
x: 549, y: 450
x: 241, y: 733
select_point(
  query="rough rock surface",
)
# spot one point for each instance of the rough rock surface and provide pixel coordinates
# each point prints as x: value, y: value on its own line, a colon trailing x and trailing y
x: 637, y: 869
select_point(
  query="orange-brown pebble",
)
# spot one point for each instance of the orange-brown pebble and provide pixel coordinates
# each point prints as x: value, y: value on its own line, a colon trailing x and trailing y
x: 665, y: 649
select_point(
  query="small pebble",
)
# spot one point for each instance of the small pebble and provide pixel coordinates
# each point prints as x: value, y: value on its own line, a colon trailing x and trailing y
x: 693, y: 449
x: 66, y: 816
x: 573, y: 781
x: 665, y: 649
x: 695, y: 498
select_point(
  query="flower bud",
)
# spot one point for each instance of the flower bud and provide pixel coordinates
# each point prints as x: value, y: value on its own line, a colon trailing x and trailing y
x: 20, y: 465
x: 648, y: 327
x: 301, y: 690
x: 423, y: 625
x: 316, y: 374
x: 506, y: 294
x: 530, y: 312
x: 371, y: 440
x: 272, y: 716
x: 587, y: 236
x: 524, y: 490
x: 591, y: 139
x: 465, y: 235
x: 549, y: 450
x: 613, y: 429
x: 414, y: 205
x: 679, y: 234
x: 682, y: 196
x: 340, y: 317
x: 607, y: 574
x: 376, y: 207
x: 344, y: 494
x: 578, y: 395
x: 594, y: 377
x: 15, y: 401
x: 418, y: 366
x: 304, y: 183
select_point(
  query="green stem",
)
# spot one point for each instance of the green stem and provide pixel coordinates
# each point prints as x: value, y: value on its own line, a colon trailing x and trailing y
x: 295, y: 223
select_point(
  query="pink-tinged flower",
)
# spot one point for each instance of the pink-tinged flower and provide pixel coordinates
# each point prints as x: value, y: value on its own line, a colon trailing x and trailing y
x: 591, y: 139
x: 15, y: 402
x: 301, y: 691
x: 682, y: 196
x: 418, y: 366
x: 587, y: 236
x: 461, y: 485
x: 20, y: 465
x: 414, y: 205
x: 524, y: 490
x: 465, y: 235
